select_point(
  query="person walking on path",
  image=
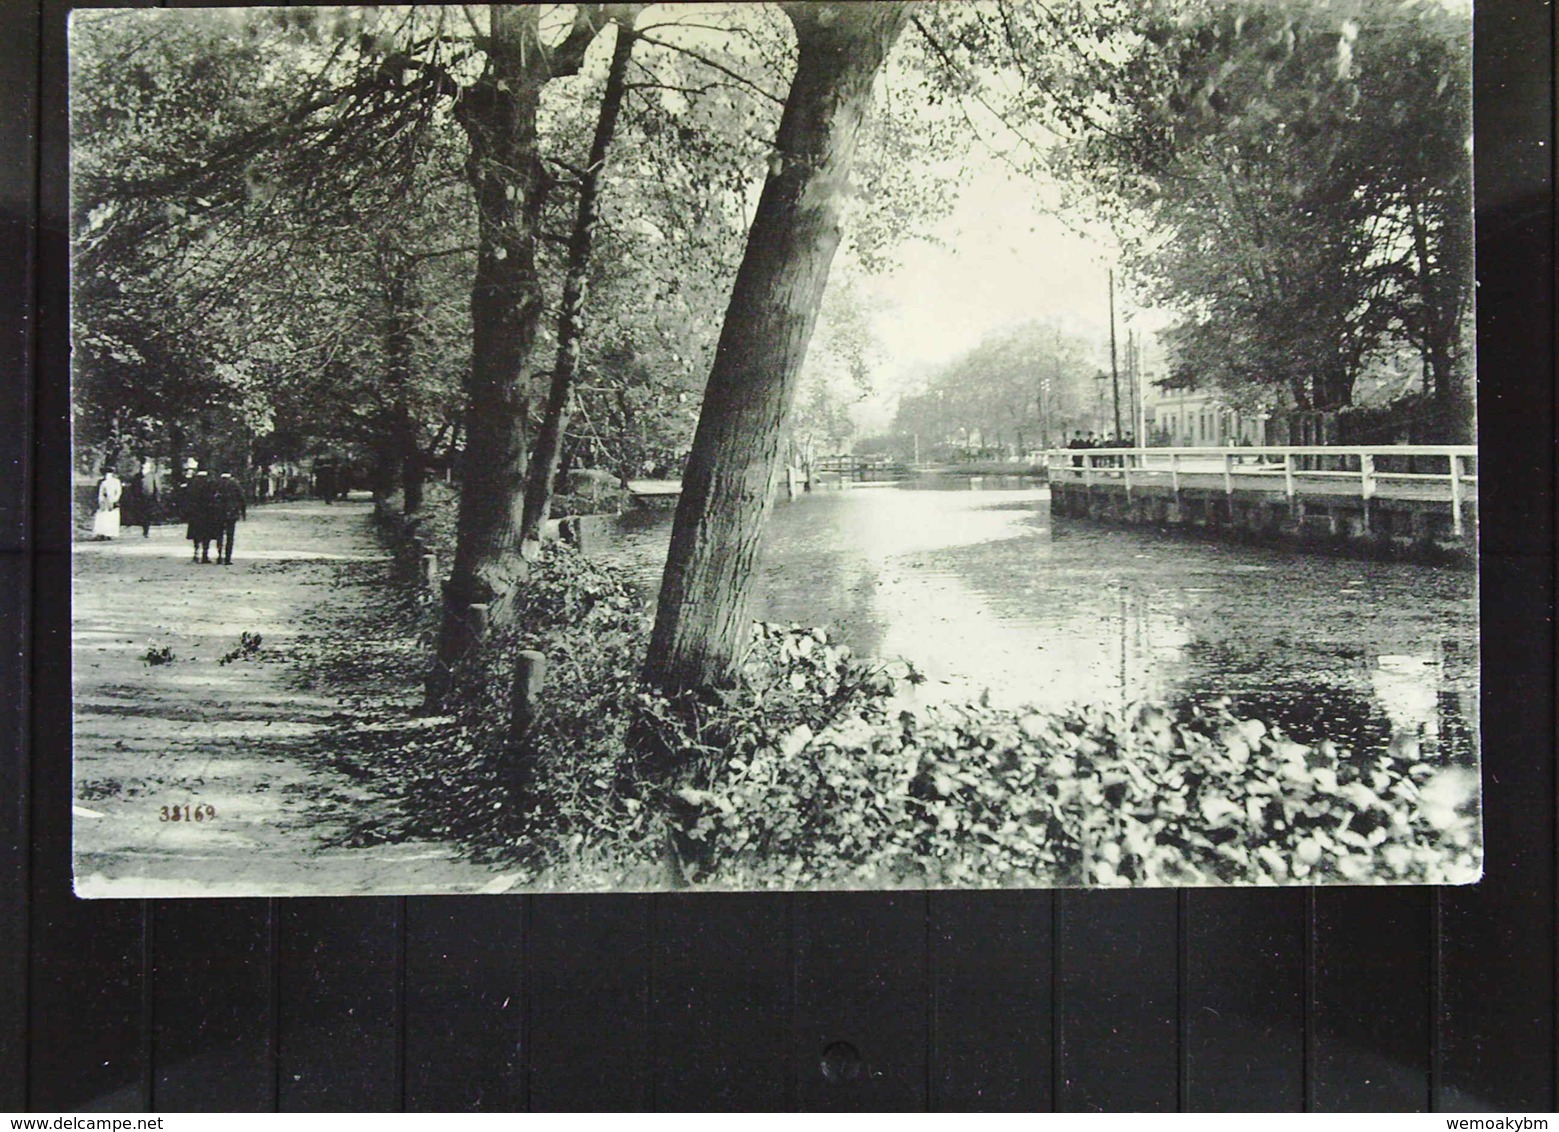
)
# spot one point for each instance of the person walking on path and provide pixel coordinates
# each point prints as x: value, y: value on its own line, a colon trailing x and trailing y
x: 197, y: 508
x: 325, y: 479
x: 137, y: 504
x: 227, y: 507
x: 105, y: 523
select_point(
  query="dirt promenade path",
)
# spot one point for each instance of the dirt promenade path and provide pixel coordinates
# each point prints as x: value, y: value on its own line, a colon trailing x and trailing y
x: 245, y: 732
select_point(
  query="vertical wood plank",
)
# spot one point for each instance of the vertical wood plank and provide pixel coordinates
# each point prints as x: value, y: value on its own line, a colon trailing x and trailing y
x: 1370, y: 1016
x: 87, y: 1018
x: 587, y: 1002
x: 1497, y: 1037
x: 464, y: 1003
x: 1118, y: 1001
x: 1244, y: 1000
x: 862, y: 1034
x: 211, y: 1007
x: 1496, y: 1040
x: 721, y: 1005
x: 992, y: 968
x: 339, y: 1034
x: 15, y: 855
x: 18, y: 247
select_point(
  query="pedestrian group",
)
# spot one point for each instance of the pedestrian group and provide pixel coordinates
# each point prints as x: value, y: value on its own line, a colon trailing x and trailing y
x: 211, y: 507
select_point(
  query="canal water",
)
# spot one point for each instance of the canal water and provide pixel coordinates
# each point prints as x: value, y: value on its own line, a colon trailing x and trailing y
x: 985, y: 593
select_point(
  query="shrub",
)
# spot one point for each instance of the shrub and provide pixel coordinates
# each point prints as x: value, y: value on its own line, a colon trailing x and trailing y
x: 813, y: 772
x: 971, y: 795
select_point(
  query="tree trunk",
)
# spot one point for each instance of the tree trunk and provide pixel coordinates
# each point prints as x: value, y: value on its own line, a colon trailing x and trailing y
x: 1441, y: 318
x: 176, y: 452
x: 401, y: 429
x: 549, y: 438
x: 498, y: 115
x: 413, y: 473
x: 625, y: 462
x: 701, y: 626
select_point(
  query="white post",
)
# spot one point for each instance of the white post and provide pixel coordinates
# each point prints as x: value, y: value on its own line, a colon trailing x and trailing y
x: 1456, y: 495
x: 1228, y: 473
x: 1367, y: 475
x: 1174, y: 474
x: 1288, y: 476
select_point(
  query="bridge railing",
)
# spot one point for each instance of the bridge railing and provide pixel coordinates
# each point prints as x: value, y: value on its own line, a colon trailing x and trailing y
x: 1442, y: 472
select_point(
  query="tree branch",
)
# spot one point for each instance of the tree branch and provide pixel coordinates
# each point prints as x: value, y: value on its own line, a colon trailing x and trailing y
x: 729, y: 73
x: 567, y: 57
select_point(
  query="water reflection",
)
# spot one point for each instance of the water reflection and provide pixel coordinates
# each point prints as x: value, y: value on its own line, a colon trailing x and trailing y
x: 985, y: 594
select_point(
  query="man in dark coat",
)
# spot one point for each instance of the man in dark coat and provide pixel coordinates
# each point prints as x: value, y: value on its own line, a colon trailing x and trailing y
x: 196, y: 506
x: 227, y: 507
x: 1077, y: 442
x: 136, y: 504
x: 325, y: 479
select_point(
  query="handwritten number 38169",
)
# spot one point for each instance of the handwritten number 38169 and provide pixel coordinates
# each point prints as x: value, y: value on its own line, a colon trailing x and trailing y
x: 201, y: 812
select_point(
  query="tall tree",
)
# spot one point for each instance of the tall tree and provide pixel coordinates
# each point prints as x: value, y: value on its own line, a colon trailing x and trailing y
x: 701, y: 624
x: 499, y: 115
x: 1291, y: 176
x: 576, y: 277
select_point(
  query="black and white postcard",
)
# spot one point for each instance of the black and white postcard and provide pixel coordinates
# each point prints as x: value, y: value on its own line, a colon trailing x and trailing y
x: 819, y: 445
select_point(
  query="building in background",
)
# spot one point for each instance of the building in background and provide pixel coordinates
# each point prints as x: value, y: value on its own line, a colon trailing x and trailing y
x: 1194, y: 418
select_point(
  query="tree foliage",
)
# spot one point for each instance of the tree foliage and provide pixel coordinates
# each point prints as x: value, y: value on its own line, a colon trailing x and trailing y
x: 1293, y: 177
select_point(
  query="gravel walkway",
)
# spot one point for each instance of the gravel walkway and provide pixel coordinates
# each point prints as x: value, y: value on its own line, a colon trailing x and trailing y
x: 174, y: 713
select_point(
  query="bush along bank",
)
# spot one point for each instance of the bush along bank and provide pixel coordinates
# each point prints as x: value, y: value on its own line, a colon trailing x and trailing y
x: 815, y: 772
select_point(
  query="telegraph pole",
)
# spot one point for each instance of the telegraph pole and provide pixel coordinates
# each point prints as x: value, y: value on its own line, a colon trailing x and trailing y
x: 1131, y: 378
x: 1141, y: 386
x: 1115, y: 373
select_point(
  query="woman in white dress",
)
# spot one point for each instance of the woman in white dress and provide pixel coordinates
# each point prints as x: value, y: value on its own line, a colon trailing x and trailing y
x: 105, y: 524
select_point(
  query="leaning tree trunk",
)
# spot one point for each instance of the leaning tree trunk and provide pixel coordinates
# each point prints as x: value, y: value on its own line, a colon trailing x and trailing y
x: 498, y: 115
x: 549, y: 438
x: 701, y: 627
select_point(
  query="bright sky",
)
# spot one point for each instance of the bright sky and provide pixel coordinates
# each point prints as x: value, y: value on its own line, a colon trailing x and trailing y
x: 999, y: 259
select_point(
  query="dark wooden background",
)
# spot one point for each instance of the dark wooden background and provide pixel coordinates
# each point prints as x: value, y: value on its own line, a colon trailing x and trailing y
x: 1260, y: 999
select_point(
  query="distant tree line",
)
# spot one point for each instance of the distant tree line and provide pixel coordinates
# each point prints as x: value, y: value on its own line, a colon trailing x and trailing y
x: 1021, y: 389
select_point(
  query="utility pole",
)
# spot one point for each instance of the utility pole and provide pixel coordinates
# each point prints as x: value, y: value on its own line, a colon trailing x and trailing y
x: 1115, y: 373
x: 1138, y: 372
x: 1131, y: 378
x: 1056, y: 388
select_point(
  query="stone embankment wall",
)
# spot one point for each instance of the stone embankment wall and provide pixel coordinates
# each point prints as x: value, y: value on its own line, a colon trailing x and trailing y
x: 1387, y: 527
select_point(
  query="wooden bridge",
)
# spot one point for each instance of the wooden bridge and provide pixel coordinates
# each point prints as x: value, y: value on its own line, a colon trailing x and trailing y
x: 1408, y: 495
x: 861, y: 469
